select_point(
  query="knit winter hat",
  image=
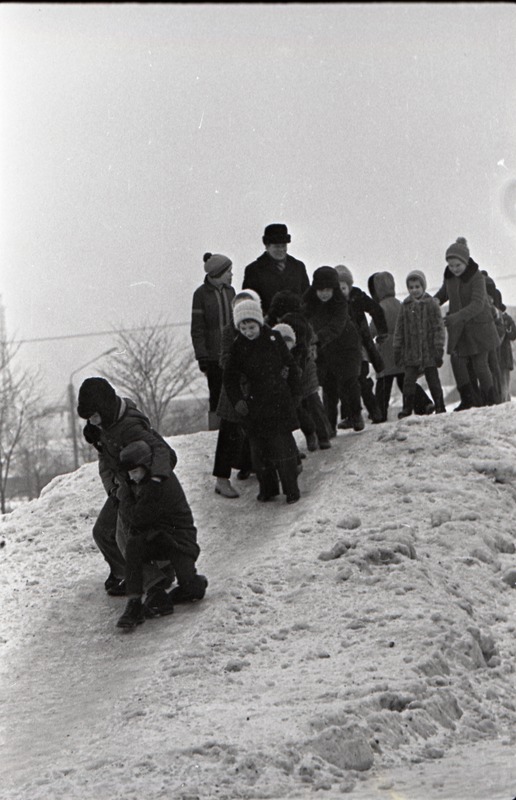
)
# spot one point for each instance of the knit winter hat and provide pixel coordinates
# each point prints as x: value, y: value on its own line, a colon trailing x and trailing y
x: 135, y: 454
x: 325, y: 278
x: 216, y: 265
x: 96, y: 396
x: 344, y: 274
x: 246, y: 294
x: 458, y: 249
x: 417, y: 274
x: 276, y: 233
x: 286, y: 331
x: 247, y: 309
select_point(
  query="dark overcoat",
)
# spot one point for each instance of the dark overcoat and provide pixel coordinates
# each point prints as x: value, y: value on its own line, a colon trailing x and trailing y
x: 339, y: 347
x: 265, y: 278
x: 273, y: 383
x: 469, y: 322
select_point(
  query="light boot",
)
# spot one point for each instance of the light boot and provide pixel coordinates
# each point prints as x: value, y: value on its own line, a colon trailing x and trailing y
x: 223, y: 486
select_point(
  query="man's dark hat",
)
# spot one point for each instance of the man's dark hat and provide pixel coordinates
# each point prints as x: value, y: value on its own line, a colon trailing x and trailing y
x: 276, y: 233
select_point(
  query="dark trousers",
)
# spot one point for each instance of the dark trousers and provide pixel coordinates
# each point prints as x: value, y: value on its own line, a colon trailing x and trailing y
x: 366, y: 392
x: 139, y: 551
x: 272, y: 457
x: 313, y: 418
x: 475, y: 366
x: 345, y: 389
x: 432, y: 378
x: 214, y: 375
x: 229, y: 453
x: 383, y: 394
x: 104, y: 535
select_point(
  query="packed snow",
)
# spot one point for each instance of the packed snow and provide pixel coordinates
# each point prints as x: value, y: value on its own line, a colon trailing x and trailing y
x: 359, y: 643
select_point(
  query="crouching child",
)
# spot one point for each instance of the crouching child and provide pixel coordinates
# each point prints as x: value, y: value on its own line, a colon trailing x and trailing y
x: 160, y: 527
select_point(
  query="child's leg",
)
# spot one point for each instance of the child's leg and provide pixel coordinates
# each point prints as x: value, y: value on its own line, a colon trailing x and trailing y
x: 319, y: 416
x: 480, y: 365
x: 409, y: 391
x: 227, y: 452
x: 434, y: 384
x: 104, y: 535
x: 283, y: 452
x: 265, y: 471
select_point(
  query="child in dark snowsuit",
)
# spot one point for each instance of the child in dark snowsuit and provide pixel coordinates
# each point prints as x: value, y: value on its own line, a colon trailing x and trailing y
x: 114, y: 422
x: 419, y: 343
x: 360, y: 304
x: 160, y: 527
x: 339, y: 351
x: 268, y: 410
x: 313, y: 421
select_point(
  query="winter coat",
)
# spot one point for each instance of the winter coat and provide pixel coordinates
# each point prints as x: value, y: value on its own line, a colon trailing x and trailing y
x: 150, y: 508
x: 272, y: 398
x: 211, y: 312
x: 469, y: 321
x: 339, y: 346
x: 506, y: 354
x: 303, y: 352
x: 130, y: 425
x: 265, y: 278
x: 361, y: 304
x: 419, y: 335
x: 382, y: 290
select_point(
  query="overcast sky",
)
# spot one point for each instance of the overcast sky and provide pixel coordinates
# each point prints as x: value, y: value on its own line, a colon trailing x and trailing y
x: 135, y: 137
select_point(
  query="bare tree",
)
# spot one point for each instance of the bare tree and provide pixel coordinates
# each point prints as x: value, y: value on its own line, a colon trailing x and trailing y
x: 19, y: 400
x: 153, y: 365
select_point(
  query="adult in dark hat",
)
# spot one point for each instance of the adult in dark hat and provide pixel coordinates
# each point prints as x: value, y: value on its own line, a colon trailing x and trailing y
x: 275, y: 269
x: 113, y: 423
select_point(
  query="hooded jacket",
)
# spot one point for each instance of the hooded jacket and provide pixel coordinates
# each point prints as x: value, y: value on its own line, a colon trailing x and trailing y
x: 382, y: 289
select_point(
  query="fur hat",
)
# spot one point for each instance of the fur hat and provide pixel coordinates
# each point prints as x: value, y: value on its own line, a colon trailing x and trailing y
x: 276, y: 233
x: 459, y: 249
x: 417, y: 274
x: 135, y: 454
x: 216, y: 265
x: 325, y: 278
x: 247, y: 309
x: 97, y: 396
x: 344, y: 274
x: 286, y: 331
x: 247, y: 294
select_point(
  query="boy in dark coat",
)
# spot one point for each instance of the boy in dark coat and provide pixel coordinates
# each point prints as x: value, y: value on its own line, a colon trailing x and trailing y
x: 419, y: 343
x: 211, y: 312
x: 160, y: 527
x: 339, y: 350
x: 275, y: 270
x: 114, y: 422
x: 361, y: 304
x: 268, y: 410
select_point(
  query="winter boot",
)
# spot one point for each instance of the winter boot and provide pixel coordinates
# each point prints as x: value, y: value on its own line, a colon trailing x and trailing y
x: 117, y: 589
x: 440, y: 408
x: 408, y: 406
x: 324, y: 444
x: 133, y: 615
x: 311, y: 442
x: 358, y: 423
x: 189, y: 592
x: 345, y: 424
x: 158, y: 603
x: 466, y: 398
x: 111, y: 581
x: 223, y: 486
x: 293, y: 498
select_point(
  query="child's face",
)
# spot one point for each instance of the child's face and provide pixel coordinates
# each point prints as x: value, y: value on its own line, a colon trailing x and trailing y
x: 456, y: 266
x: 344, y: 288
x: 225, y: 279
x: 137, y: 474
x: 415, y: 288
x: 95, y: 419
x: 289, y: 342
x: 249, y: 328
x: 324, y: 294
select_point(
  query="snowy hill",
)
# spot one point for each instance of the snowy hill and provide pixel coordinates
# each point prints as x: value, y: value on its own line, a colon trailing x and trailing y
x: 358, y: 643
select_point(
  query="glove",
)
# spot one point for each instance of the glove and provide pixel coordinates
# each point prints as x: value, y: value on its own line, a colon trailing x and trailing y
x: 242, y: 408
x: 438, y: 361
x: 203, y: 364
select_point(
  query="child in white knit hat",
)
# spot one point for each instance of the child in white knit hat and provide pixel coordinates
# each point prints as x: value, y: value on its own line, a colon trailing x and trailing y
x: 268, y: 407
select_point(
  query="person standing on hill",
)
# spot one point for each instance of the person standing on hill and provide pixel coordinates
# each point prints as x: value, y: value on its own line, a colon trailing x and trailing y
x: 382, y: 289
x: 211, y: 312
x: 275, y: 269
x: 469, y: 323
x: 419, y: 339
x: 113, y: 422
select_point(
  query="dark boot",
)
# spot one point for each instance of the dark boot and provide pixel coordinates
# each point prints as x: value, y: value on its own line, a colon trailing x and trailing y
x: 440, y: 408
x: 116, y: 588
x: 312, y: 443
x: 133, y: 615
x: 189, y: 592
x: 466, y: 398
x: 408, y: 406
x: 358, y: 423
x: 158, y: 602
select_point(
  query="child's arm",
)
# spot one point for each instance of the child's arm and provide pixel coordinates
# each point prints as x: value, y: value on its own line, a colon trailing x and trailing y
x: 399, y: 339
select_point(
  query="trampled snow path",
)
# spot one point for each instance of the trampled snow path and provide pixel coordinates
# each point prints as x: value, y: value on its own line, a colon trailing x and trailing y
x: 374, y: 661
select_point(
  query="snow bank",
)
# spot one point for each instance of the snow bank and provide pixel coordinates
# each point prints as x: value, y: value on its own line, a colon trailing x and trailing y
x: 360, y: 642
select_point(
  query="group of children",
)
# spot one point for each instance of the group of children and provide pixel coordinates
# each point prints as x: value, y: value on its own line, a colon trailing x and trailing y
x: 301, y: 364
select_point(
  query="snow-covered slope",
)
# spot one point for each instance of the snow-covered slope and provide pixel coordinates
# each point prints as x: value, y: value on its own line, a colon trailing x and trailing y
x: 360, y: 642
